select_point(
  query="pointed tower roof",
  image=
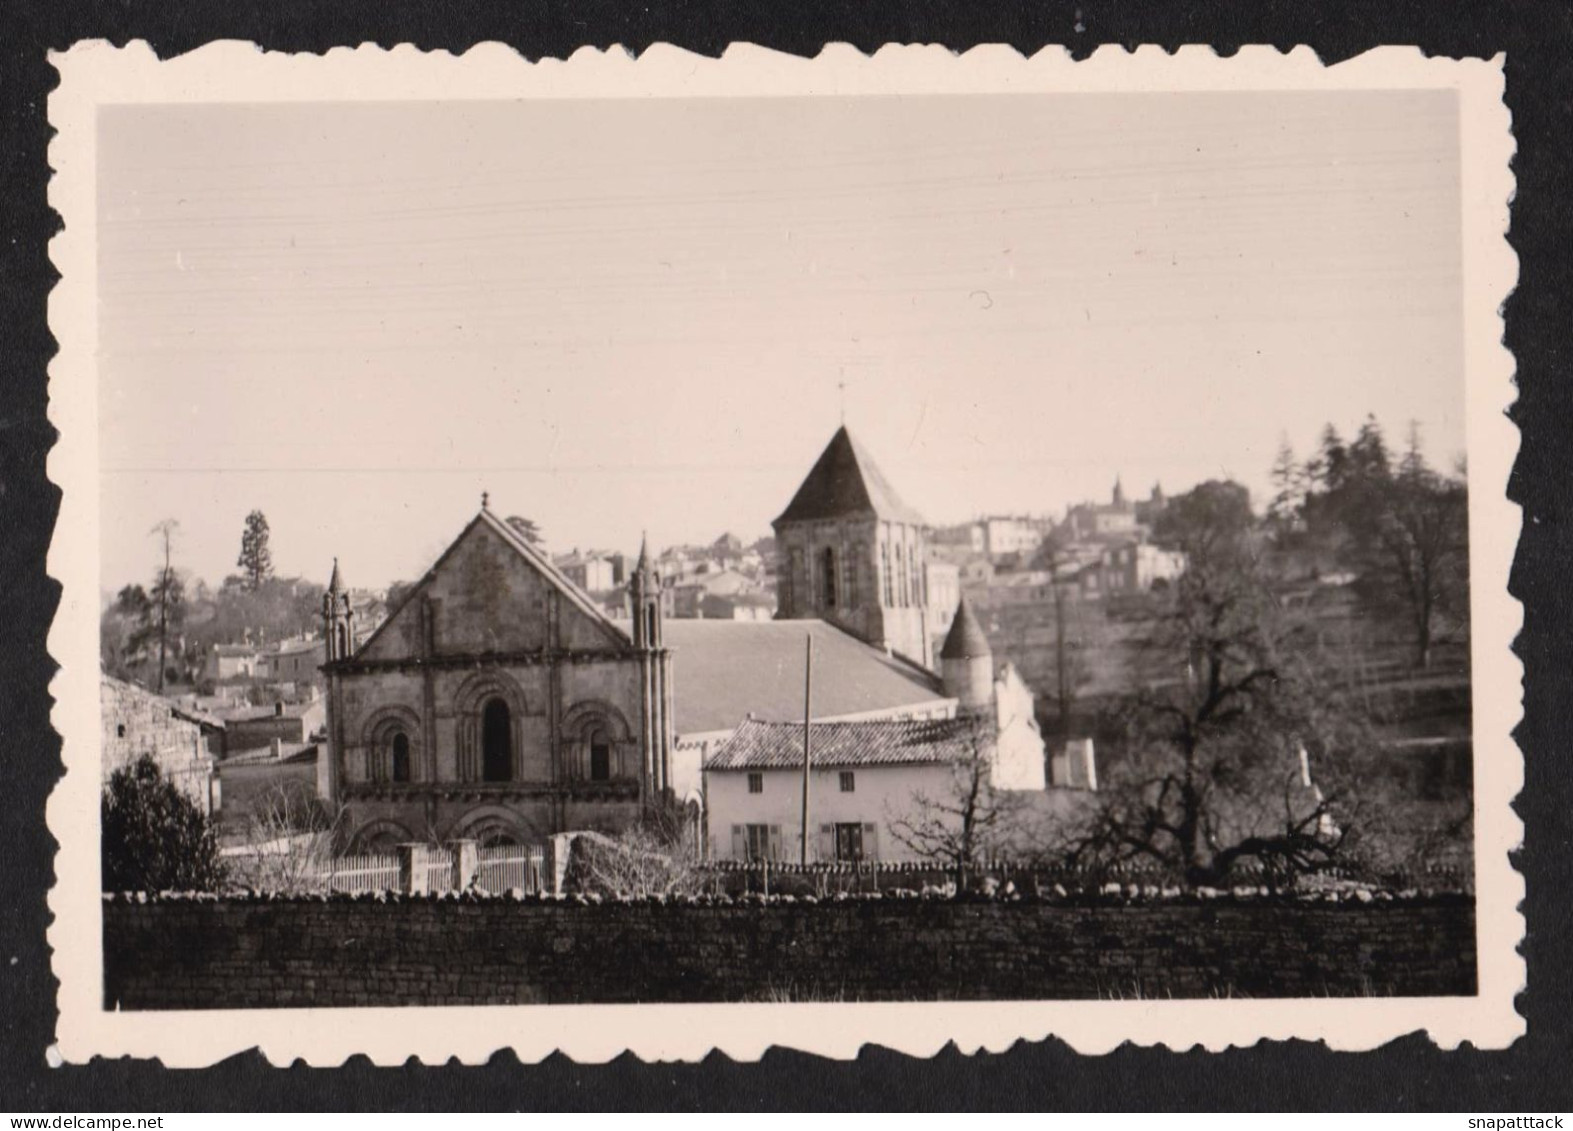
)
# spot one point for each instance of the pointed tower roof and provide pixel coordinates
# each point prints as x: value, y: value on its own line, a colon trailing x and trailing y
x: 334, y: 585
x: 844, y: 481
x: 965, y: 641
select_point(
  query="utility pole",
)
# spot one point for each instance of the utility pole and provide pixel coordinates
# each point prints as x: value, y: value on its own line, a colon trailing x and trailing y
x: 808, y: 702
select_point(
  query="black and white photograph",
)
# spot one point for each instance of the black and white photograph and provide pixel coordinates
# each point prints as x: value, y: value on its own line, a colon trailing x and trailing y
x: 833, y: 545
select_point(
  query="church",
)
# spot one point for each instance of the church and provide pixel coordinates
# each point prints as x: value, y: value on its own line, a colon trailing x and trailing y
x: 500, y: 703
x: 497, y: 703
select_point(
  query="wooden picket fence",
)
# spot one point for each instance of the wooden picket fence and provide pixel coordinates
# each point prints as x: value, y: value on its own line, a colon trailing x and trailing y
x: 360, y: 874
x: 507, y: 867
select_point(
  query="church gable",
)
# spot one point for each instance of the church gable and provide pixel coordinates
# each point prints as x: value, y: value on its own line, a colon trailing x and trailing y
x: 490, y: 593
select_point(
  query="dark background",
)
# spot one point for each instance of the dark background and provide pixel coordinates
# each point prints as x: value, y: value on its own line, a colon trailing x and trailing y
x: 1537, y: 38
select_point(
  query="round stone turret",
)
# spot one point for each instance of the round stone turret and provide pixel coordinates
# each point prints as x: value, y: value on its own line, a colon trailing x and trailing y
x: 966, y: 662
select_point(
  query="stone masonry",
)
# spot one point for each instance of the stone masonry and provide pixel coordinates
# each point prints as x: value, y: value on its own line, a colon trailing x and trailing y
x: 224, y: 953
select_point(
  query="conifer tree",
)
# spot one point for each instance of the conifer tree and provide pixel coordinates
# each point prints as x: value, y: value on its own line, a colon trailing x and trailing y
x: 256, y: 560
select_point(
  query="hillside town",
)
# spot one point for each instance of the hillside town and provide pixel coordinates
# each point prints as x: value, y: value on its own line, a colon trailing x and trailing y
x: 857, y: 689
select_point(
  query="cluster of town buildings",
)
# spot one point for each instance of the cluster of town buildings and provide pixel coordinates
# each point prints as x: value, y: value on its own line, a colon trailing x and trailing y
x: 509, y: 694
x: 1097, y: 550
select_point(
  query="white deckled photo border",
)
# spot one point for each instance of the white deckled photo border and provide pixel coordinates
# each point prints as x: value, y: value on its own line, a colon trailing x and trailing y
x: 96, y: 74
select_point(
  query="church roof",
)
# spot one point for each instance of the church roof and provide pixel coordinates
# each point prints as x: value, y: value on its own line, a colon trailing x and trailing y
x: 724, y: 670
x: 879, y: 742
x: 965, y: 641
x: 845, y: 481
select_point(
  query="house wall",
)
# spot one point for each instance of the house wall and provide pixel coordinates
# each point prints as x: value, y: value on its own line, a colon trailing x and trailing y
x: 882, y: 793
x: 237, y: 953
x: 1019, y: 755
x: 136, y: 722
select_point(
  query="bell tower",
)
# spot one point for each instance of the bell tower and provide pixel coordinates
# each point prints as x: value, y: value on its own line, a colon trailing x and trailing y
x: 338, y: 619
x: 852, y: 553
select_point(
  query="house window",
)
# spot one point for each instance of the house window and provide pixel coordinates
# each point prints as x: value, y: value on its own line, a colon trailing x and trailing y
x: 600, y: 757
x: 827, y: 576
x: 759, y: 844
x: 849, y: 842
x: 401, y: 757
x: 120, y: 730
x: 496, y: 742
x: 888, y: 581
x: 848, y: 781
x: 756, y: 783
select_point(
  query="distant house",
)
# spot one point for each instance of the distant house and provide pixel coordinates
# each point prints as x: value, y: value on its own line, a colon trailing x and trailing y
x: 688, y: 597
x: 864, y: 775
x: 1011, y: 535
x: 755, y: 605
x: 593, y: 571
x: 726, y: 670
x: 135, y: 722
x: 1131, y: 567
x: 290, y: 723
x: 869, y: 772
x: 293, y: 661
x: 1097, y: 521
x: 231, y: 661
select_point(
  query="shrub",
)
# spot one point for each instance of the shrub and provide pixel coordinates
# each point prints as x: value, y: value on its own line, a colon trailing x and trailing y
x: 153, y: 837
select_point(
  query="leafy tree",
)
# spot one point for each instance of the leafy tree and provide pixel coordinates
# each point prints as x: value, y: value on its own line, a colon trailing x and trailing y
x: 1210, y: 521
x: 1327, y: 469
x: 1403, y: 533
x: 256, y: 559
x: 398, y: 592
x: 528, y: 529
x: 1411, y: 548
x: 1289, y: 480
x: 1368, y: 458
x: 153, y: 837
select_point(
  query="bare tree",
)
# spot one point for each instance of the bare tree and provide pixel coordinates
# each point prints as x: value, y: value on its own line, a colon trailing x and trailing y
x: 638, y: 863
x: 289, y: 843
x: 1228, y: 721
x: 168, y: 596
x: 969, y: 820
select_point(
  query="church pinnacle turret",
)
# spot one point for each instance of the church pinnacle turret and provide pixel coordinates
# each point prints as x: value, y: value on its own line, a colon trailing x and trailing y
x: 338, y: 629
x: 644, y: 599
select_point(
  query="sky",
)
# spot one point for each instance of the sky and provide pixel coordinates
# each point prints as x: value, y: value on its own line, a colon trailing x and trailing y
x: 621, y: 316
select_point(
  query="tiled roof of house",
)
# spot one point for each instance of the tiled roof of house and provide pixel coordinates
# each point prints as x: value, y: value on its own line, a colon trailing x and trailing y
x: 882, y: 742
x: 845, y: 481
x: 724, y: 670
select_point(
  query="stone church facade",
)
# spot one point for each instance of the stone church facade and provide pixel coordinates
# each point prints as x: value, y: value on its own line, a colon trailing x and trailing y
x: 498, y: 702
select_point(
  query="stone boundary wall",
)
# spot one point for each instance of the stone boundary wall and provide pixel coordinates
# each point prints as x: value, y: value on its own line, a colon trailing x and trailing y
x: 259, y: 952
